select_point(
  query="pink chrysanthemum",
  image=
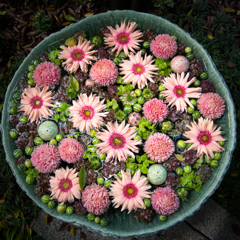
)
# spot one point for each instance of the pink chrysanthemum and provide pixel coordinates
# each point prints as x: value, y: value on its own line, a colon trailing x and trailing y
x: 104, y: 72
x: 124, y: 38
x: 155, y: 110
x: 204, y: 137
x: 70, y: 150
x: 159, y: 147
x: 47, y: 74
x: 165, y: 201
x: 65, y: 185
x: 163, y: 46
x: 178, y: 91
x: 130, y: 192
x: 95, y: 199
x: 138, y: 70
x: 86, y: 112
x: 118, y: 141
x: 77, y: 56
x: 35, y: 103
x: 211, y: 105
x: 45, y: 158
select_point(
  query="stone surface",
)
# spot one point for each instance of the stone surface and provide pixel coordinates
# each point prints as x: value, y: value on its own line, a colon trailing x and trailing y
x: 214, y: 222
x: 210, y: 222
x: 157, y: 174
x: 48, y: 130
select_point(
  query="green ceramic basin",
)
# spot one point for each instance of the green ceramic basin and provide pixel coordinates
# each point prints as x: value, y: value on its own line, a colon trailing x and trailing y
x: 122, y: 224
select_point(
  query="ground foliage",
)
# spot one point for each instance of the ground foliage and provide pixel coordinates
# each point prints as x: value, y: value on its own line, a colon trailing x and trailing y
x: 25, y: 23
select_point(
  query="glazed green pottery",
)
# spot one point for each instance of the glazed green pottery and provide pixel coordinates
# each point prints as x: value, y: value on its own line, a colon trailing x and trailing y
x: 123, y: 224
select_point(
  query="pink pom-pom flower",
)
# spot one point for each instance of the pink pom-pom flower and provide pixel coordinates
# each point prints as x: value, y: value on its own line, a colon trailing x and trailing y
x: 165, y: 201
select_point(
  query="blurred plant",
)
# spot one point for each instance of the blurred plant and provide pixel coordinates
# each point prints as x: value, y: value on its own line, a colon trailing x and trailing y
x: 42, y: 21
x: 15, y: 65
x: 161, y: 4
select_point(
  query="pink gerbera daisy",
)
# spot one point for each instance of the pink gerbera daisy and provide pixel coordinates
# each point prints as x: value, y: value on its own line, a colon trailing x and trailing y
x: 138, y: 70
x: 47, y: 74
x: 118, y: 141
x: 77, y: 56
x: 211, y: 105
x: 165, y: 201
x: 178, y: 91
x: 159, y: 147
x: 124, y: 38
x: 104, y: 72
x: 86, y: 112
x: 65, y: 185
x: 204, y: 137
x: 45, y: 158
x: 95, y: 199
x: 35, y: 103
x: 70, y: 150
x: 130, y: 192
x: 155, y: 110
x: 163, y: 46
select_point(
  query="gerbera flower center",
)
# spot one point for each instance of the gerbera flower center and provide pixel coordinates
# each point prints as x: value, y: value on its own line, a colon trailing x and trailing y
x: 123, y: 38
x: 87, y: 112
x: 204, y: 137
x: 179, y: 91
x: 36, y: 102
x: 65, y: 184
x: 138, y: 69
x: 117, y: 140
x: 130, y: 191
x: 77, y: 55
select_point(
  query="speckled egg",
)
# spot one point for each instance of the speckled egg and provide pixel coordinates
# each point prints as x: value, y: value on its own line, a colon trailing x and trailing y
x: 157, y: 174
x: 134, y: 118
x: 48, y: 130
x: 179, y: 64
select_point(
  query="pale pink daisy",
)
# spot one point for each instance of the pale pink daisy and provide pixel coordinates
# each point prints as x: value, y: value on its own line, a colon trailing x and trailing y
x: 138, y: 70
x: 130, y: 192
x: 86, y: 112
x: 178, y: 91
x: 204, y: 137
x: 77, y: 56
x: 124, y: 38
x: 35, y: 103
x: 65, y: 185
x: 117, y: 142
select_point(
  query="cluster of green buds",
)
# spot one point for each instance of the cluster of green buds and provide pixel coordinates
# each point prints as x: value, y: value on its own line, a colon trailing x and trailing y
x: 166, y: 126
x: 15, y: 102
x: 91, y: 217
x: 190, y: 110
x: 61, y: 112
x: 53, y: 57
x: 113, y: 104
x: 119, y: 58
x: 31, y: 69
x: 92, y: 156
x: 164, y: 66
x: 145, y: 129
x: 97, y: 40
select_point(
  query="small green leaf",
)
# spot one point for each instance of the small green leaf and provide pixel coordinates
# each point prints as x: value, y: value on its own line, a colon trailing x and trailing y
x: 70, y: 18
x: 74, y: 83
x: 82, y: 177
x: 2, y: 13
x: 179, y: 157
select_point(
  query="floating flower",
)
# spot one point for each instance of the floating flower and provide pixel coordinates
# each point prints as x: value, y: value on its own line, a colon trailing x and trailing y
x: 165, y: 201
x: 124, y: 38
x: 163, y: 46
x: 104, y: 72
x: 65, y: 185
x: 178, y: 91
x: 95, y: 199
x: 118, y: 142
x: 35, y: 103
x: 204, y: 137
x: 155, y: 110
x: 86, y: 112
x: 130, y: 192
x: 77, y: 56
x: 138, y: 70
x: 70, y: 150
x: 47, y: 74
x: 211, y: 105
x: 45, y: 158
x: 159, y: 147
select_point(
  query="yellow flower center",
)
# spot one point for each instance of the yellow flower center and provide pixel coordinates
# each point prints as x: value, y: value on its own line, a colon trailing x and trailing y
x: 139, y: 69
x: 66, y: 185
x: 130, y: 191
x: 87, y: 113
